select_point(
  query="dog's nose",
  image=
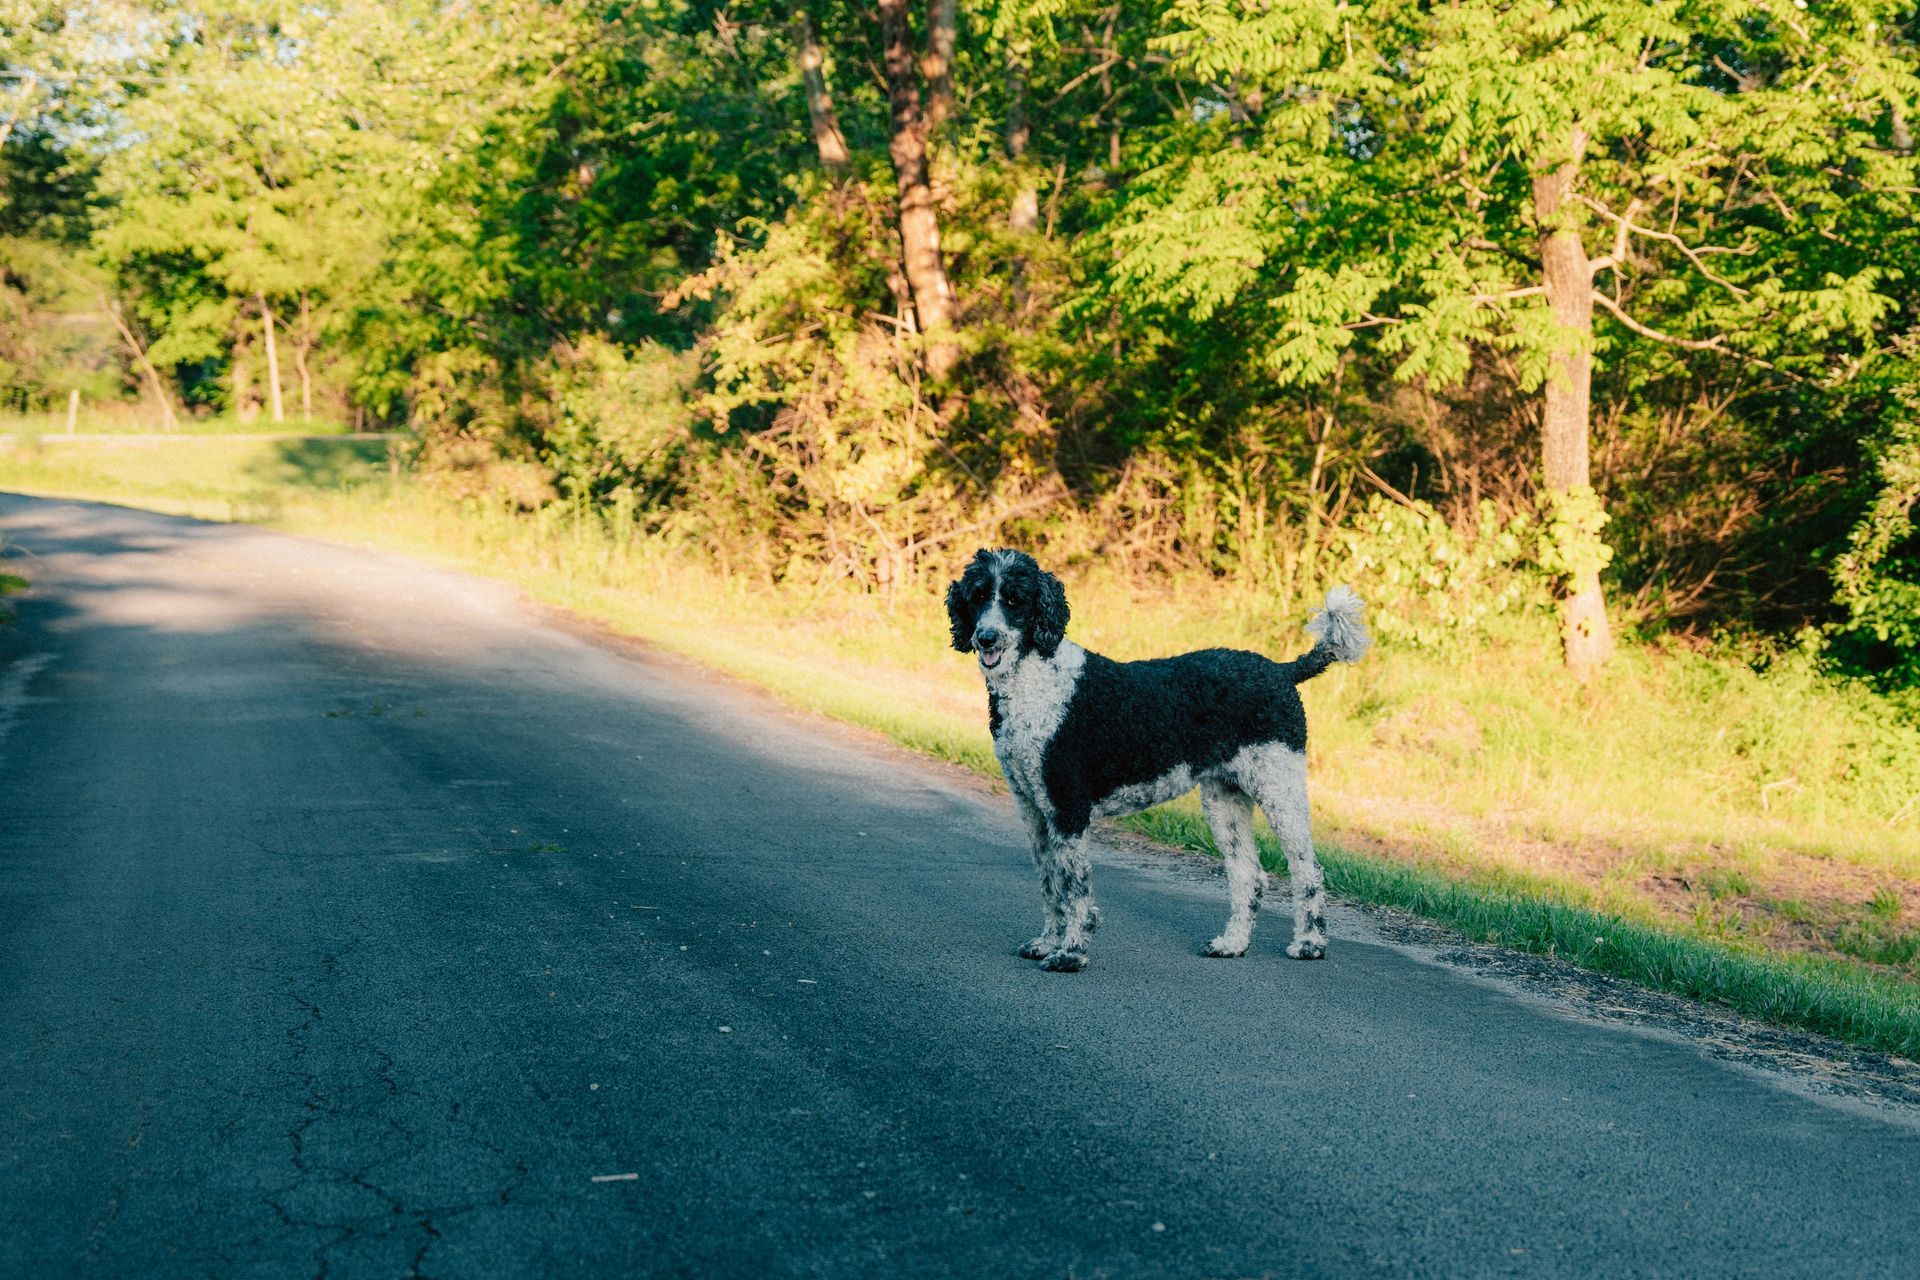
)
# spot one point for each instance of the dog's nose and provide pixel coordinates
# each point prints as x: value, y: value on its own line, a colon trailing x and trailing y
x: 986, y: 638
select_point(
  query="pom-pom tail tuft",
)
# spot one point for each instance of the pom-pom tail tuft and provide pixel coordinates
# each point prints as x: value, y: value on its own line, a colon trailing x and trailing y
x: 1338, y: 627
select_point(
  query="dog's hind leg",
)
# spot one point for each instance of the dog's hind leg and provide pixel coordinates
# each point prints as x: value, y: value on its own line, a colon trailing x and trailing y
x: 1278, y: 780
x: 1229, y: 813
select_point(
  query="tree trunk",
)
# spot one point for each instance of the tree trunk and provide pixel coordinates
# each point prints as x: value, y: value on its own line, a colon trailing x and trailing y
x: 1106, y: 95
x: 938, y: 64
x: 1025, y: 213
x: 154, y: 382
x: 827, y: 138
x: 277, y: 405
x: 1567, y: 274
x: 243, y: 402
x: 302, y: 347
x: 919, y: 225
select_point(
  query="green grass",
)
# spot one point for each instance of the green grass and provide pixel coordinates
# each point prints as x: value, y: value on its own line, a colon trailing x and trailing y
x: 1634, y: 827
x: 9, y: 583
x: 214, y: 476
x: 141, y: 419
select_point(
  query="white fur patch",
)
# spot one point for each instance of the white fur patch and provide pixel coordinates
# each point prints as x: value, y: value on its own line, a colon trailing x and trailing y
x: 1033, y: 693
x: 1340, y: 626
x: 1276, y: 777
x: 1144, y: 795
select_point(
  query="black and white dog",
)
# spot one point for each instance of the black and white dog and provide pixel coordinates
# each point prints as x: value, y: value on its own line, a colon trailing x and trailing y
x: 1081, y: 737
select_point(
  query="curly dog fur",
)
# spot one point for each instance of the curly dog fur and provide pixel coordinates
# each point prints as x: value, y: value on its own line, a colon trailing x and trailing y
x: 1082, y: 737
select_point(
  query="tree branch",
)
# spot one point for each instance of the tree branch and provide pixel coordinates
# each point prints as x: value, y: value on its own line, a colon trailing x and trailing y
x: 1691, y: 344
x: 1744, y: 81
x: 1625, y: 224
x: 1487, y: 246
x: 1367, y: 474
x: 1614, y: 260
x: 1112, y: 61
x: 28, y: 88
x: 1510, y: 294
x: 1715, y: 344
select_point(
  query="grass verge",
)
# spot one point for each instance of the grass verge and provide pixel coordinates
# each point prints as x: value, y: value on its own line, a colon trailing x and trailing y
x: 1809, y: 992
x: 142, y: 420
x: 1545, y: 891
x: 9, y: 583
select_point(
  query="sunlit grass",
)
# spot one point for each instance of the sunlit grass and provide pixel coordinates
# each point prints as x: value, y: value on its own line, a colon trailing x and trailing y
x: 95, y: 418
x: 213, y: 477
x: 1730, y: 835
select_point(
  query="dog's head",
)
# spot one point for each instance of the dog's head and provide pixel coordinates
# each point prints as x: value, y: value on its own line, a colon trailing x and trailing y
x: 1006, y: 604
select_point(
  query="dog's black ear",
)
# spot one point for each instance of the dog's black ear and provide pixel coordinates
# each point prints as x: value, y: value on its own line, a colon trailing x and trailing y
x: 1050, y: 616
x: 960, y: 616
x: 960, y: 611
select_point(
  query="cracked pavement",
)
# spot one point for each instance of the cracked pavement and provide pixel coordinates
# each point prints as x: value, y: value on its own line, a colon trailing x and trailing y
x: 357, y: 919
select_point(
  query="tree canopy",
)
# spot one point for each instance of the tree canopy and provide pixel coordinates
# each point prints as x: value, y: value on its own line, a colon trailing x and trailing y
x: 1200, y: 285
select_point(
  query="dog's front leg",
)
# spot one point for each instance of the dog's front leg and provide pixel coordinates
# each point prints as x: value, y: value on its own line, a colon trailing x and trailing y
x: 1073, y: 866
x: 1051, y: 924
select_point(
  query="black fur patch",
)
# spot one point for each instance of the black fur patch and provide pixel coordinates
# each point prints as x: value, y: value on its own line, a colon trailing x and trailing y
x: 1035, y: 602
x: 1132, y: 722
x: 968, y: 597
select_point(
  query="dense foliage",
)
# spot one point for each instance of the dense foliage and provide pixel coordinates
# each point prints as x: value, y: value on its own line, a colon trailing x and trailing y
x: 1479, y: 301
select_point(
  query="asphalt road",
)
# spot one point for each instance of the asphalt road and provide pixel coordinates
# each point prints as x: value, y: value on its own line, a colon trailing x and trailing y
x: 358, y: 920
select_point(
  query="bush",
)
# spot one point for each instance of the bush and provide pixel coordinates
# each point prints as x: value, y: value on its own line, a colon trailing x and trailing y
x: 1431, y: 586
x: 621, y: 421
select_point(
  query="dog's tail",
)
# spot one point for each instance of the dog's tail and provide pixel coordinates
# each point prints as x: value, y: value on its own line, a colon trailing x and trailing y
x: 1338, y: 632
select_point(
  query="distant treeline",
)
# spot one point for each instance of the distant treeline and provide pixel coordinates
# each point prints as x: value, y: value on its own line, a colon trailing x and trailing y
x: 1613, y: 298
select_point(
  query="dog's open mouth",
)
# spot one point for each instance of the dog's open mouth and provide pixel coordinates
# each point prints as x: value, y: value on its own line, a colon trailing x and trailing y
x: 990, y: 658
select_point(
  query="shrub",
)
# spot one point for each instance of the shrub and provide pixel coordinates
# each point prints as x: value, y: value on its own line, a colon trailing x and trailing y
x: 1431, y: 586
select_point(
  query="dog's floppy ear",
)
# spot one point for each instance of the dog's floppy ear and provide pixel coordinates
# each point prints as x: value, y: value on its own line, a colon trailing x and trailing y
x: 1050, y: 614
x: 960, y: 616
x: 960, y: 613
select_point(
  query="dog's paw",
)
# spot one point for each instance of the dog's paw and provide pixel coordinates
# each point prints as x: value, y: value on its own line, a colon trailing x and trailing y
x: 1306, y: 950
x: 1039, y: 949
x: 1223, y: 948
x: 1065, y: 962
x: 1093, y: 919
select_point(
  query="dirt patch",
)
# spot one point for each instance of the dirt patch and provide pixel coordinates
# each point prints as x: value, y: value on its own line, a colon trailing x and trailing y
x: 1866, y: 919
x: 1790, y: 901
x: 1432, y: 725
x: 1405, y: 830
